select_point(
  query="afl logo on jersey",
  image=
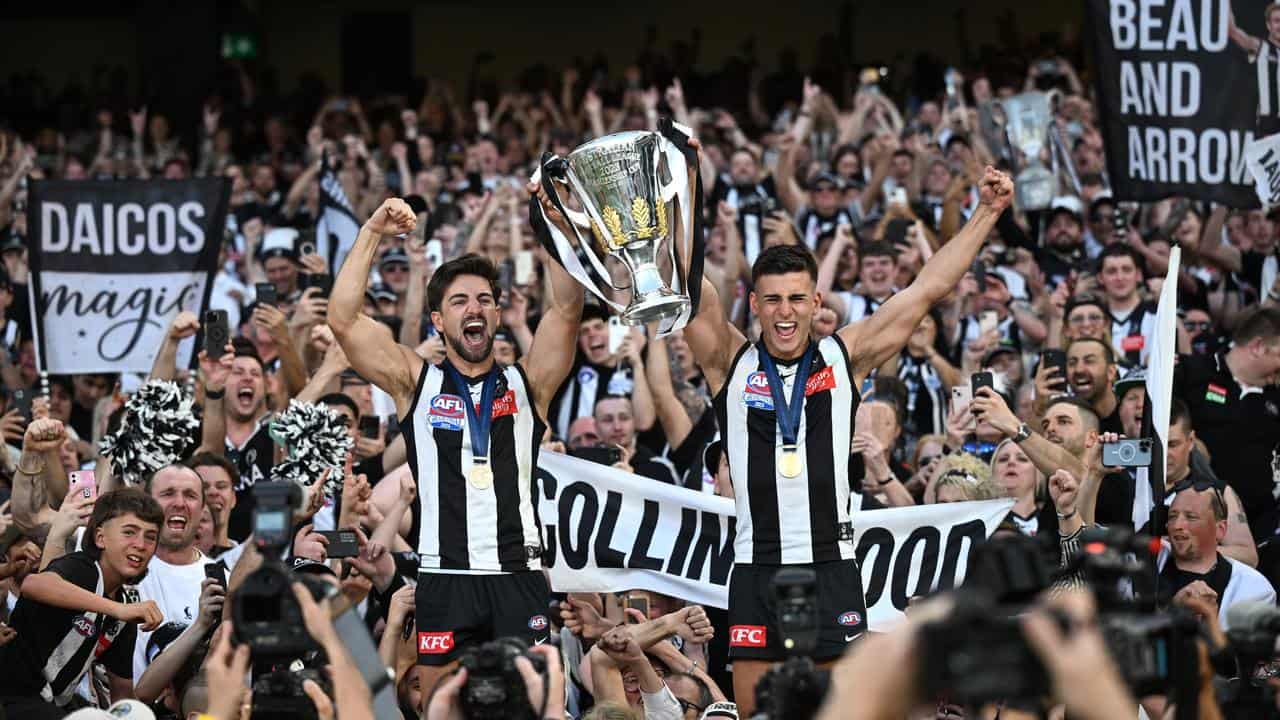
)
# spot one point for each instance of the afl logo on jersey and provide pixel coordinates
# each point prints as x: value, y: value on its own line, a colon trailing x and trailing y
x: 850, y: 618
x: 757, y: 393
x: 447, y: 412
x: 538, y: 622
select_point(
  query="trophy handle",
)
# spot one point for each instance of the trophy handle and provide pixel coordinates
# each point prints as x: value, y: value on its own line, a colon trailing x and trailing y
x: 573, y: 254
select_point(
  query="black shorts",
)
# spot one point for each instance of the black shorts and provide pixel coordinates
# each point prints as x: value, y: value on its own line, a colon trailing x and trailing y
x: 455, y: 612
x: 753, y: 618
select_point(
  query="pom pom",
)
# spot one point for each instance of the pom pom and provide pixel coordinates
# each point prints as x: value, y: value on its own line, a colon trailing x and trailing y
x: 317, y: 440
x: 157, y: 429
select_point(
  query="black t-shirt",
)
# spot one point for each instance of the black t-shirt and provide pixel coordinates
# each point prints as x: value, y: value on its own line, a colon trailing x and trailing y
x: 82, y: 422
x: 687, y: 457
x: 1111, y: 423
x: 56, y: 640
x: 253, y: 461
x: 1171, y: 579
x: 1240, y: 428
x: 1115, y: 499
x: 647, y: 464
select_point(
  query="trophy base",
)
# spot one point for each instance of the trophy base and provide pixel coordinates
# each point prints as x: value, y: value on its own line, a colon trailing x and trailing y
x: 653, y: 309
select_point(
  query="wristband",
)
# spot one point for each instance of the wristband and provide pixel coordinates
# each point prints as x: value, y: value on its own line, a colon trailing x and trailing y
x: 215, y: 395
x: 1068, y: 516
x: 882, y: 483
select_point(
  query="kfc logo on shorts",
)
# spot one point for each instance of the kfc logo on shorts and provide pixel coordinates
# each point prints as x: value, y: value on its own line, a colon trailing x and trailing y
x: 850, y: 618
x: 748, y: 636
x: 538, y: 622
x: 447, y: 412
x: 757, y: 394
x: 434, y: 643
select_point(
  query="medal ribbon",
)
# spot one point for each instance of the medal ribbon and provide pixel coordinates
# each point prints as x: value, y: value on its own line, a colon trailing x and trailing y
x: 477, y: 421
x: 788, y: 414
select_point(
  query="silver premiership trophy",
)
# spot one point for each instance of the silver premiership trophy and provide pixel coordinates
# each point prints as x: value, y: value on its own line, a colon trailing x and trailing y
x: 636, y: 239
x: 1026, y: 120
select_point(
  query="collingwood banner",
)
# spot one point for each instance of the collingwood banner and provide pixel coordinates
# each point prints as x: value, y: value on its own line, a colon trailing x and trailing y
x: 1184, y: 87
x: 606, y: 530
x: 112, y: 263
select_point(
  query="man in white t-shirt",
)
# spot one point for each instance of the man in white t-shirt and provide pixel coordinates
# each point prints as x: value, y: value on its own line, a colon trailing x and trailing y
x: 177, y: 569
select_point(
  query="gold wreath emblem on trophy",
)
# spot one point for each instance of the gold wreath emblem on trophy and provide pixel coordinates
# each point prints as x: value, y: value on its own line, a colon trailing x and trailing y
x: 642, y: 223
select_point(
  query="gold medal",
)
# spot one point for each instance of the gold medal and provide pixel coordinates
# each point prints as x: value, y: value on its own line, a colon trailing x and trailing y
x: 481, y: 474
x: 789, y: 465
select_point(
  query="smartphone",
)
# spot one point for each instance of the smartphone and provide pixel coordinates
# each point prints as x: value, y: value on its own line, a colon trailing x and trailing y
x: 435, y: 253
x: 82, y: 481
x: 217, y: 333
x: 1056, y: 359
x: 980, y: 380
x: 506, y: 273
x: 370, y: 426
x: 617, y: 333
x: 988, y: 320
x: 962, y: 397
x: 895, y: 232
x: 265, y: 293
x: 898, y: 196
x: 323, y: 281
x: 1127, y: 453
x: 598, y: 455
x: 20, y: 400
x: 524, y: 267
x: 342, y: 543
x: 217, y: 573
x: 637, y: 602
x: 979, y: 270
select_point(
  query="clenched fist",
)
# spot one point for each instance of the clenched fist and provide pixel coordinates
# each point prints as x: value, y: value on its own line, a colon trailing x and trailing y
x: 996, y: 189
x: 393, y: 217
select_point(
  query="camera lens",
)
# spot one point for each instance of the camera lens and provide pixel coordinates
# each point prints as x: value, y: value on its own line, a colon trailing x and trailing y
x: 1126, y: 452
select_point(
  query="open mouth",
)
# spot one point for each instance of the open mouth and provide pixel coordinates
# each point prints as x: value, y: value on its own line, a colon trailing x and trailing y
x: 135, y: 560
x: 1082, y: 383
x: 473, y: 332
x: 786, y: 330
x: 176, y: 523
x: 244, y: 394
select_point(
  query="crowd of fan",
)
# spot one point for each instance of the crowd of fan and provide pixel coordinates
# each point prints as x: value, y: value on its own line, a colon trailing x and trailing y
x: 871, y: 185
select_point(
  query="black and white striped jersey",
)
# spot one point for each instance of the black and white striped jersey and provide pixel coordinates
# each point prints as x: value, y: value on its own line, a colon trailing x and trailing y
x: 461, y: 528
x: 780, y: 520
x: 54, y: 646
x: 1266, y: 64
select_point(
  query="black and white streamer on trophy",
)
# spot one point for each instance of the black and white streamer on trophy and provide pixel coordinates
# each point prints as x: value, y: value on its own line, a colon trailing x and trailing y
x: 316, y: 439
x: 637, y: 241
x: 157, y: 429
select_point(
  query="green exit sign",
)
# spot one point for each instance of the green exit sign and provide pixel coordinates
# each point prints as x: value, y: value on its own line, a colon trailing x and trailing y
x: 237, y: 46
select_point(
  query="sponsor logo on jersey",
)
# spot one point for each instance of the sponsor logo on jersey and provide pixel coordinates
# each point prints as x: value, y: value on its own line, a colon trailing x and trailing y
x: 755, y: 636
x: 821, y: 381
x: 850, y: 618
x: 538, y: 622
x: 757, y: 394
x: 434, y: 643
x: 447, y: 412
x: 587, y: 375
x: 505, y: 405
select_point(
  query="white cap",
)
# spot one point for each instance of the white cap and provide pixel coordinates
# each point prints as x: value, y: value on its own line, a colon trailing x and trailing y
x: 1067, y: 203
x: 123, y: 710
x: 726, y: 710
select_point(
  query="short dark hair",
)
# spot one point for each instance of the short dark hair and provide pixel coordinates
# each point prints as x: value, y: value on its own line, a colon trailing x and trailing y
x: 1180, y: 414
x: 469, y: 264
x: 1107, y: 351
x: 342, y: 399
x: 783, y: 259
x: 116, y: 503
x: 1115, y: 250
x: 208, y: 459
x: 244, y: 348
x: 1088, y: 415
x: 877, y: 249
x: 1260, y: 322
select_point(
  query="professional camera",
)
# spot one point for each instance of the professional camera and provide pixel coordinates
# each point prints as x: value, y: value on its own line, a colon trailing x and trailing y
x: 752, y: 204
x: 278, y: 695
x: 495, y: 689
x: 265, y: 610
x: 793, y: 690
x: 795, y: 592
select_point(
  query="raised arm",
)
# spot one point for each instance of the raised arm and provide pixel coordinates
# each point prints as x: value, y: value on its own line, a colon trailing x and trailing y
x: 674, y: 418
x: 873, y: 340
x: 1247, y: 42
x: 213, y: 375
x: 557, y: 335
x: 712, y: 338
x: 367, y: 343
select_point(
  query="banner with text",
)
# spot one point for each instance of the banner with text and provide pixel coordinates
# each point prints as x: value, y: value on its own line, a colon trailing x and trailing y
x: 607, y: 531
x: 112, y: 263
x: 1182, y: 93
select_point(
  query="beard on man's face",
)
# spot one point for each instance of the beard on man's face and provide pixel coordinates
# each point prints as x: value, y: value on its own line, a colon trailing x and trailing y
x: 471, y: 354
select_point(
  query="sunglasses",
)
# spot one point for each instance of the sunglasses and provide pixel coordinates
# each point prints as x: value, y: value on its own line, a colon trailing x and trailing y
x: 1202, y: 325
x: 1199, y: 485
x: 686, y: 706
x: 927, y: 459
